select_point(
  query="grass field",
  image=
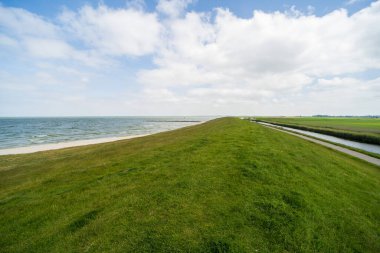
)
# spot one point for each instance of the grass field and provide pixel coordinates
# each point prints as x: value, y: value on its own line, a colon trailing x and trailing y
x: 358, y: 129
x: 224, y: 186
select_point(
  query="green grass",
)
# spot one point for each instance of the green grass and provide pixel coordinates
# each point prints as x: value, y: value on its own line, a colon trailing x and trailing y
x: 337, y: 144
x: 365, y: 130
x: 224, y: 186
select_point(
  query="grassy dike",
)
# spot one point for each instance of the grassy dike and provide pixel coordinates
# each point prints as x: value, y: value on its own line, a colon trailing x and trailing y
x: 224, y: 186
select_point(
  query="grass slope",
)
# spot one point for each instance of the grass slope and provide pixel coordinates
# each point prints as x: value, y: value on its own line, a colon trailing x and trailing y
x: 224, y: 186
x: 365, y: 130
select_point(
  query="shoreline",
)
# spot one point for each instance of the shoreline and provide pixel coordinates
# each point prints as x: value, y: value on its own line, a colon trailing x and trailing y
x: 60, y: 145
x: 76, y: 143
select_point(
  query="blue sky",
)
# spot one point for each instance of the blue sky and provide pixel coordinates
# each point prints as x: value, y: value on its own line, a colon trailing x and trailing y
x: 242, y: 8
x: 184, y: 57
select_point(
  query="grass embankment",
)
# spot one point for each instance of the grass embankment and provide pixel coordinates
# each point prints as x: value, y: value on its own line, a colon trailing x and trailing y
x: 224, y: 186
x: 366, y: 130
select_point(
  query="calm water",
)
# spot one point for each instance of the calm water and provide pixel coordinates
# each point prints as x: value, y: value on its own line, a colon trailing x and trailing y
x: 364, y: 146
x: 22, y: 132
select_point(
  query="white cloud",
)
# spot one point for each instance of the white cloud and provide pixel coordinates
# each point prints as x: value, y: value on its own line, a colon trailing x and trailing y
x: 114, y: 31
x: 310, y: 10
x: 338, y: 82
x: 173, y: 8
x: 209, y: 63
x: 136, y: 4
x: 7, y: 41
x: 342, y: 96
x: 21, y: 22
x: 269, y: 56
x: 39, y: 38
x: 105, y: 33
x: 48, y: 48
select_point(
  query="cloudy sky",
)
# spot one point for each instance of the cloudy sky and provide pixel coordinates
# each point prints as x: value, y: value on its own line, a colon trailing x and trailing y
x: 189, y: 57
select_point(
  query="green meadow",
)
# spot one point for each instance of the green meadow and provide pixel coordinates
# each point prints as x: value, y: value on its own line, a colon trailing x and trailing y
x: 227, y: 185
x: 357, y: 129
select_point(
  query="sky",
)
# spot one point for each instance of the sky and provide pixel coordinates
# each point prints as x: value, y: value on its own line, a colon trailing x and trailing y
x: 189, y: 57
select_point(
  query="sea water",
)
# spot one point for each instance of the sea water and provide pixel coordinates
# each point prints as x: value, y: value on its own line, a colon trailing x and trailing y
x: 23, y: 132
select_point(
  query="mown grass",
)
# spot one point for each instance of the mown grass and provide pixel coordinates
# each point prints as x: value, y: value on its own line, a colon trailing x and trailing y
x: 224, y: 186
x: 366, y: 130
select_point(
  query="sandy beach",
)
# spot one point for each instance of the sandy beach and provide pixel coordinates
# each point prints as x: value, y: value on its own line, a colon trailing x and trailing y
x: 51, y: 146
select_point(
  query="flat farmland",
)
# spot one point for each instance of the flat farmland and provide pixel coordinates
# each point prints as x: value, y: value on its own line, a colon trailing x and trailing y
x: 365, y: 130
